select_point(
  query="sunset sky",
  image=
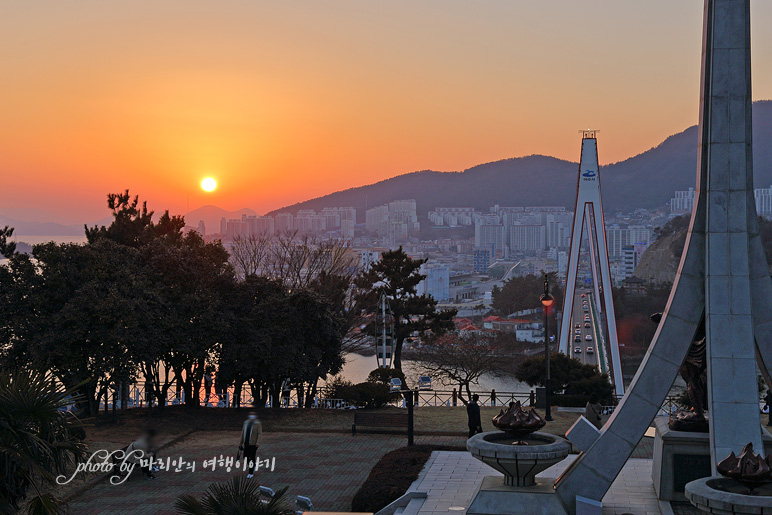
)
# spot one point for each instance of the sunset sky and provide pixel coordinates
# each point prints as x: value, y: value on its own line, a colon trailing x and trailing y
x: 283, y: 101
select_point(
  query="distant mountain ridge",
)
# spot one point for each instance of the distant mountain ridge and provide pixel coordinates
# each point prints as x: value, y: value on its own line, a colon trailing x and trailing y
x: 647, y: 180
x: 22, y: 227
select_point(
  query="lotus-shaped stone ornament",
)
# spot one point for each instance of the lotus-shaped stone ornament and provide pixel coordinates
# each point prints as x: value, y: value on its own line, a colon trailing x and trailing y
x: 748, y: 468
x: 517, y: 421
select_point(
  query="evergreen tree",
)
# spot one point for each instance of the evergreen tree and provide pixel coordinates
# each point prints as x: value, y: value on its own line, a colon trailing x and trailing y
x: 397, y: 276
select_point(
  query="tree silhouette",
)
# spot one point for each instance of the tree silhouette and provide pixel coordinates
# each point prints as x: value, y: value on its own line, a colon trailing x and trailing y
x: 397, y: 275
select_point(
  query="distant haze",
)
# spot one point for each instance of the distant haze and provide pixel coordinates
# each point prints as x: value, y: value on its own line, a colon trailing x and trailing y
x: 285, y: 101
x: 647, y: 180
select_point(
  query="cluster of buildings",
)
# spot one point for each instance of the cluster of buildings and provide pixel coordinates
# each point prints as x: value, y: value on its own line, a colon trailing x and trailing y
x: 529, y: 235
x: 525, y: 329
x: 394, y: 222
x: 333, y: 221
x: 469, y: 252
x: 389, y: 225
x: 683, y: 201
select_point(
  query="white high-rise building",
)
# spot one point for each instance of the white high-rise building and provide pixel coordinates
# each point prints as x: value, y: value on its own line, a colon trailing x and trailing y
x: 763, y: 197
x: 490, y: 236
x: 262, y: 225
x: 451, y: 216
x: 308, y: 222
x: 527, y: 238
x: 631, y: 256
x: 284, y: 223
x: 347, y: 229
x: 437, y: 282
x: 376, y: 219
x: 683, y: 202
x: 331, y: 217
x: 403, y: 211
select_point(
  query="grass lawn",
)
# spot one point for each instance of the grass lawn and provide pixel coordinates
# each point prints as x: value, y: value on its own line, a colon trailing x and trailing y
x: 176, y: 420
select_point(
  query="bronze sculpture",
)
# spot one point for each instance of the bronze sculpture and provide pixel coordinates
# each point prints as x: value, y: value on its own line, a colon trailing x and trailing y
x: 518, y: 422
x: 749, y: 468
x: 694, y: 372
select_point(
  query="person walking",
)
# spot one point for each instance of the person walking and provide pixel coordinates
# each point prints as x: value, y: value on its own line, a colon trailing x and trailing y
x: 207, y: 384
x: 593, y: 412
x: 473, y: 413
x: 251, y: 434
x: 141, y: 451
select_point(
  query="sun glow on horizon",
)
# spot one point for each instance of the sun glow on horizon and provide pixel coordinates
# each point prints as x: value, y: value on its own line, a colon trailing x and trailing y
x: 208, y: 184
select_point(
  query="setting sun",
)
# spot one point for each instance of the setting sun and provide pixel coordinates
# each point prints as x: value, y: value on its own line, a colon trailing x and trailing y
x: 208, y: 184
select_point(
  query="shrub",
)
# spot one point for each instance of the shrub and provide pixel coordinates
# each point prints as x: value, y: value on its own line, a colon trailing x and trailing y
x: 568, y: 376
x: 237, y: 495
x: 364, y: 395
x: 569, y: 401
x: 392, y: 476
x: 595, y: 386
x: 385, y: 375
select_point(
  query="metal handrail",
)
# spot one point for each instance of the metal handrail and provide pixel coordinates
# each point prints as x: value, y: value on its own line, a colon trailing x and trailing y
x: 424, y: 398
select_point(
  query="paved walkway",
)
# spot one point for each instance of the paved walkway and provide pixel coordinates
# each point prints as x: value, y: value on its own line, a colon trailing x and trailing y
x: 451, y: 479
x: 328, y: 468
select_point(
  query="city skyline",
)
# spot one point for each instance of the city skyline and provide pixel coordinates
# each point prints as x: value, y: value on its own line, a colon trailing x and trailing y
x: 249, y: 93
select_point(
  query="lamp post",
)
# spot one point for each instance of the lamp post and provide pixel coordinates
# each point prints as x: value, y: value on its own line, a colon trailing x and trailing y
x: 547, y: 300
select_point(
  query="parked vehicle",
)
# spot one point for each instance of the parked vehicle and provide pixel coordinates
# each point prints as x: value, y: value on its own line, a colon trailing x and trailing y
x: 396, y: 384
x: 425, y: 383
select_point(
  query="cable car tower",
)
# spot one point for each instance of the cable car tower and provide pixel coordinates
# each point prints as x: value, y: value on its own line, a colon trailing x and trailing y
x: 384, y: 333
x: 588, y: 212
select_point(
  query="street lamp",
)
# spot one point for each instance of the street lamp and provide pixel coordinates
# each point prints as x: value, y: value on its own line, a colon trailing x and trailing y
x: 547, y: 301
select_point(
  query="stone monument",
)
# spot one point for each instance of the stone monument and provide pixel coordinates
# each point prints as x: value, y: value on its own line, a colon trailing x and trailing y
x: 519, y: 453
x: 723, y: 276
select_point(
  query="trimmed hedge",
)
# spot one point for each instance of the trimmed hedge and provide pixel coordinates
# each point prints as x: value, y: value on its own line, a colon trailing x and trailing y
x: 569, y: 401
x: 392, y: 476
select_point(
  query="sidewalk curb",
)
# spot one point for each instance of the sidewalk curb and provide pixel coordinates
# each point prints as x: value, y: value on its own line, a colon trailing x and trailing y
x: 90, y: 484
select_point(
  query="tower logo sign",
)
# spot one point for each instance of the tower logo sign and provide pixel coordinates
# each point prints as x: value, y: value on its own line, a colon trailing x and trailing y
x: 589, y: 174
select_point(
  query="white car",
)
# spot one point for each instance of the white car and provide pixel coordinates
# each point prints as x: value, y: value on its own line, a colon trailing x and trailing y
x: 577, y: 350
x: 395, y: 385
x: 424, y: 383
x: 588, y: 337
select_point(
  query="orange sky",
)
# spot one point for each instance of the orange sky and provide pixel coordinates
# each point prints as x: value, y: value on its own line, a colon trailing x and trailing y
x: 282, y: 101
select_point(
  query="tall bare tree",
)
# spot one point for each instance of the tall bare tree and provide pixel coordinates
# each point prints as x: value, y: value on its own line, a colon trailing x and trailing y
x: 296, y: 261
x: 461, y: 360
